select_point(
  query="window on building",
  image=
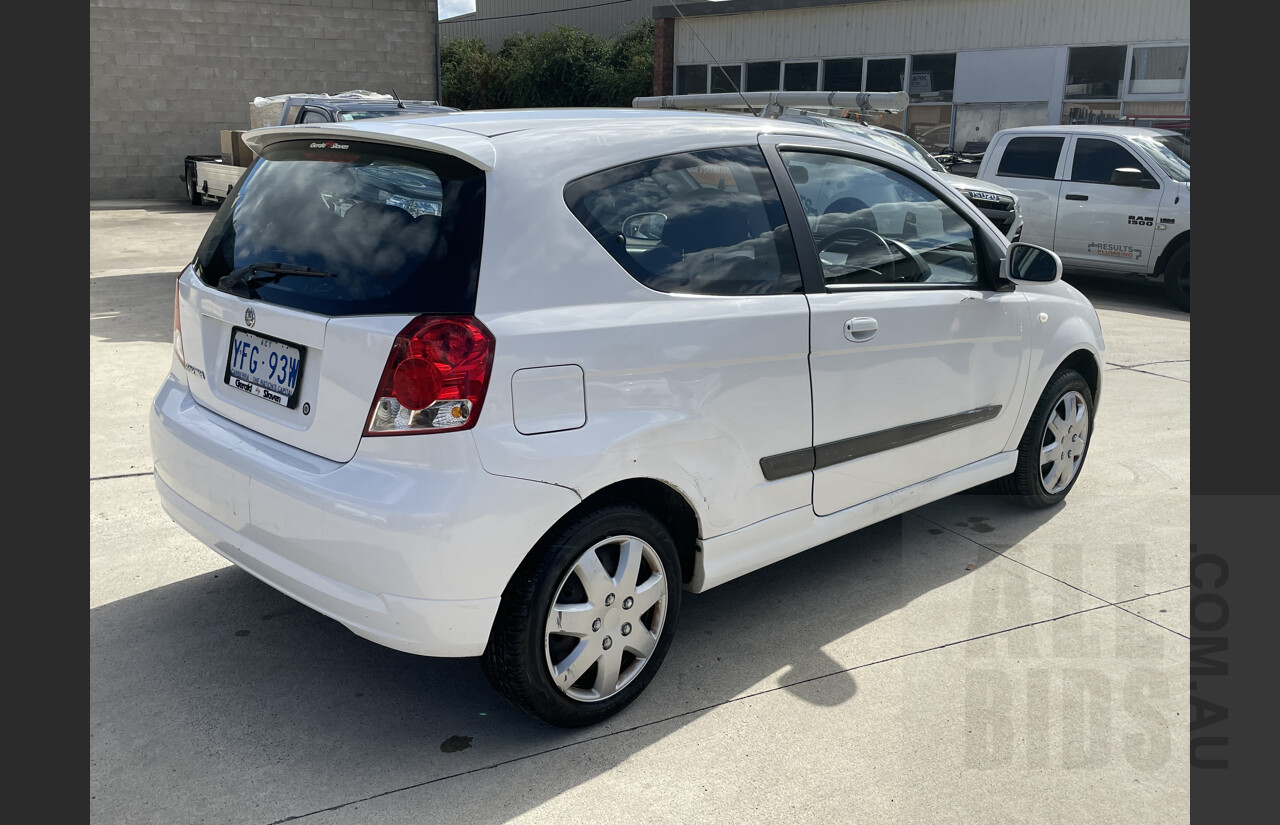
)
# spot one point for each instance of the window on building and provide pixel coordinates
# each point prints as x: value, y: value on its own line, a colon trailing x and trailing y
x: 1093, y: 112
x: 691, y: 80
x: 1158, y: 70
x: 843, y: 75
x: 933, y: 77
x: 1164, y: 114
x: 763, y: 76
x: 889, y: 120
x: 800, y: 77
x: 930, y: 126
x: 1031, y: 157
x: 726, y: 79
x: 886, y: 75
x: 1095, y: 71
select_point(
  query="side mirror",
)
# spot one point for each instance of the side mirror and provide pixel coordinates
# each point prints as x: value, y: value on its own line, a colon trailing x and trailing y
x: 1128, y: 176
x: 1029, y: 264
x: 646, y: 226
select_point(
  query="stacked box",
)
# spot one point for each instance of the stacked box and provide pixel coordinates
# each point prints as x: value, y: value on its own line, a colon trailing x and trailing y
x: 266, y: 113
x: 234, y: 150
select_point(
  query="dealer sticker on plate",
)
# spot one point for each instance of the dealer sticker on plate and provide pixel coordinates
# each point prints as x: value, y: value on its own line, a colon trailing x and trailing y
x: 266, y: 367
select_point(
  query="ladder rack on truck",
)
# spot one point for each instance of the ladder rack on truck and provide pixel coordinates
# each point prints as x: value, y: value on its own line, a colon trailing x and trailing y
x: 773, y: 104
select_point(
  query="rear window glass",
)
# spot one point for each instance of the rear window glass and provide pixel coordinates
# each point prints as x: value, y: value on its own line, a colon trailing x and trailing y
x: 709, y: 223
x: 1031, y: 157
x: 350, y: 228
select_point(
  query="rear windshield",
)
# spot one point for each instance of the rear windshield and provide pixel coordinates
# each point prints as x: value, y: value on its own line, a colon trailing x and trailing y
x: 350, y: 228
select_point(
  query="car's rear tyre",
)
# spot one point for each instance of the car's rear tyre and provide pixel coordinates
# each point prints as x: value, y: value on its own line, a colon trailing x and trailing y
x: 193, y: 194
x: 588, y: 618
x: 1177, y: 278
x: 1054, y: 445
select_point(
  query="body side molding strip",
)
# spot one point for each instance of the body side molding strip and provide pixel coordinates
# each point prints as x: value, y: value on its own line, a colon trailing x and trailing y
x: 800, y: 461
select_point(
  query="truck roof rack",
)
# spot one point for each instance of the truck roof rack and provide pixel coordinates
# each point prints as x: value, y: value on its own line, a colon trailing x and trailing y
x: 773, y: 104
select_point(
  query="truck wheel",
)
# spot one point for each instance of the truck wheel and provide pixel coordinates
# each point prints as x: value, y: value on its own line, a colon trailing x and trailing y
x: 193, y: 194
x: 1177, y: 278
x: 585, y: 624
x: 1053, y: 448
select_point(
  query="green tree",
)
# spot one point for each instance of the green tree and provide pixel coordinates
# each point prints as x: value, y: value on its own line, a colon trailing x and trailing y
x: 470, y: 75
x: 561, y: 67
x: 631, y: 64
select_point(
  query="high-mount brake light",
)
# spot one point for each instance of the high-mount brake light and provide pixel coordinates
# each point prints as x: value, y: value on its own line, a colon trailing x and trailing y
x: 435, y: 377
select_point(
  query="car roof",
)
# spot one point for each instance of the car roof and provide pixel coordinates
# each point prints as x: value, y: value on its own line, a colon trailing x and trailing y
x: 561, y: 139
x: 1094, y: 129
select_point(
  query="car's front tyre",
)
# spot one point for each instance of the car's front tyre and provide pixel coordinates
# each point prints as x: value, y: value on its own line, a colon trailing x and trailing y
x: 1054, y: 445
x: 587, y: 619
x: 1177, y: 278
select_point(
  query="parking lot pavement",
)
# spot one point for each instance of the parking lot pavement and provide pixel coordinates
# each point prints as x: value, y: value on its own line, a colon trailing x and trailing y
x: 967, y: 662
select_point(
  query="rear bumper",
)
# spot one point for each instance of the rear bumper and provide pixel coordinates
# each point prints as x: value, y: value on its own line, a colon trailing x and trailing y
x: 410, y: 544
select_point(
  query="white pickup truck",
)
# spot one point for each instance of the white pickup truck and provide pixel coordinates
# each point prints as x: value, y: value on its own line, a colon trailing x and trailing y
x: 1105, y: 198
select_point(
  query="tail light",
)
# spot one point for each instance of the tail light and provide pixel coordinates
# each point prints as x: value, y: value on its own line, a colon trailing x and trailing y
x: 177, y: 327
x: 435, y: 378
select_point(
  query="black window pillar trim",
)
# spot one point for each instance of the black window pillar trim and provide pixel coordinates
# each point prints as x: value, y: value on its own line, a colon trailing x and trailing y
x: 801, y: 234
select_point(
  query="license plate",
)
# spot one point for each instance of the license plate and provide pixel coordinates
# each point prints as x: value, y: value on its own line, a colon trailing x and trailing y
x: 266, y: 367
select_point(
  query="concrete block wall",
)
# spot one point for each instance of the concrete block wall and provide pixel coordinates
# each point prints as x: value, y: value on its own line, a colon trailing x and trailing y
x: 167, y: 76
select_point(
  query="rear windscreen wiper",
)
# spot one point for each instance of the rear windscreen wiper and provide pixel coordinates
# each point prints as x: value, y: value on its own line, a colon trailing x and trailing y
x: 242, y: 282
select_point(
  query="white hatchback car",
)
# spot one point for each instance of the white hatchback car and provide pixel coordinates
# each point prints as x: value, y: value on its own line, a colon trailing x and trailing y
x: 504, y: 384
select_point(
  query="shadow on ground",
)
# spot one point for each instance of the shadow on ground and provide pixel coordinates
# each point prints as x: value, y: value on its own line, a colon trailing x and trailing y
x: 253, y: 708
x: 132, y: 308
x: 1127, y: 293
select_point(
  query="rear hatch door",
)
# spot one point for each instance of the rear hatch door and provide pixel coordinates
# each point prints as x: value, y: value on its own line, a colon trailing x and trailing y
x: 326, y: 250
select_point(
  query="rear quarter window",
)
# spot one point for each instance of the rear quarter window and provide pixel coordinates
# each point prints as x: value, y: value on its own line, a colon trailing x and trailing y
x: 707, y: 222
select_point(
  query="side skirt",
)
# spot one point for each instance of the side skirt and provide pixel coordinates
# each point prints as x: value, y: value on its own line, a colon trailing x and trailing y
x: 743, y: 551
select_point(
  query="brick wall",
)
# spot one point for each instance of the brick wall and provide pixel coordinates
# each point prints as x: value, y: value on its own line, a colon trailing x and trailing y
x: 166, y: 76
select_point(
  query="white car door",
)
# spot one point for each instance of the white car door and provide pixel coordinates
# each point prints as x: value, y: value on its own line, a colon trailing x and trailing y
x: 1105, y: 221
x: 915, y: 359
x: 1030, y: 167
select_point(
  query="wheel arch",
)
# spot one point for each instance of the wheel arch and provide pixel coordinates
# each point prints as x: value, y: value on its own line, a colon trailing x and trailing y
x: 1083, y: 359
x: 664, y: 501
x: 1086, y: 363
x: 1170, y: 248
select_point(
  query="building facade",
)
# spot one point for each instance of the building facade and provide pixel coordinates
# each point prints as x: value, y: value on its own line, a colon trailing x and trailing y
x: 971, y: 67
x: 167, y: 76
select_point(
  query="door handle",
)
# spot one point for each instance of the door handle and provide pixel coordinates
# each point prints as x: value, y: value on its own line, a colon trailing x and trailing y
x: 1077, y: 197
x: 860, y: 329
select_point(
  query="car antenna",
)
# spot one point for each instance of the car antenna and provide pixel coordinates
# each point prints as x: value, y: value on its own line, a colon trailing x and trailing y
x: 399, y: 102
x: 715, y: 60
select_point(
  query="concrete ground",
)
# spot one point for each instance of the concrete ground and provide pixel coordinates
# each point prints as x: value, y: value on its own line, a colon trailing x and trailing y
x: 969, y: 662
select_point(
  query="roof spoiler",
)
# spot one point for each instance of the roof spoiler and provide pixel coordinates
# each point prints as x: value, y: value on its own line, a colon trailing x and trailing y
x: 771, y: 104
